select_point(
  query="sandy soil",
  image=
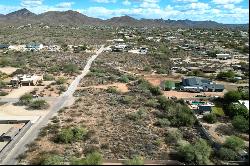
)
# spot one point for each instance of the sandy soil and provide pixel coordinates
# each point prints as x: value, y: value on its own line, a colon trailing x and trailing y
x: 157, y: 79
x: 8, y: 70
x: 181, y: 95
x: 120, y: 86
x: 11, y: 110
x: 16, y: 93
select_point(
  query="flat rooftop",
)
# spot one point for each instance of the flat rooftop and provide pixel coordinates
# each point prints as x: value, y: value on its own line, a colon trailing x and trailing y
x: 3, y: 144
x: 5, y: 127
x: 33, y: 119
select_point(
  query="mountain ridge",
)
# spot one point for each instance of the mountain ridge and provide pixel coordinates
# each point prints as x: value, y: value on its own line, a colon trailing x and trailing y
x: 75, y: 18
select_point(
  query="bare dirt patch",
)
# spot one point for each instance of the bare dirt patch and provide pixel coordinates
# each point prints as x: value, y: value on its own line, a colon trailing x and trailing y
x: 16, y: 93
x: 8, y: 70
x: 186, y: 95
x: 156, y: 79
x: 122, y: 87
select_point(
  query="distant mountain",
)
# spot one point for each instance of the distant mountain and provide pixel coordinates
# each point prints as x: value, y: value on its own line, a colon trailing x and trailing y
x: 21, y: 14
x: 67, y: 17
x: 122, y: 21
x: 70, y: 17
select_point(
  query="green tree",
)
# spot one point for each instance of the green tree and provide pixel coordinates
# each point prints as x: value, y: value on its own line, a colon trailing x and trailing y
x: 210, y: 118
x: 183, y: 118
x: 198, y: 153
x: 232, y: 96
x: 234, y: 143
x: 226, y: 75
x: 227, y: 154
x: 241, y: 123
x: 202, y: 152
x: 235, y: 109
x: 187, y: 153
x: 168, y: 85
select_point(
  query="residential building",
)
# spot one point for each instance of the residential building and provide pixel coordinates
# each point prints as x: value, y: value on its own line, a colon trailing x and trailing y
x: 224, y: 56
x: 25, y: 79
x: 197, y: 84
x: 4, y: 46
x: 34, y: 47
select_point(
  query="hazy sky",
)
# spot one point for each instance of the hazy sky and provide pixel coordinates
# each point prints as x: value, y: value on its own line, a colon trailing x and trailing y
x: 224, y: 11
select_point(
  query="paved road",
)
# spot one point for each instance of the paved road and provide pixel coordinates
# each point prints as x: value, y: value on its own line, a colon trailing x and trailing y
x: 30, y: 136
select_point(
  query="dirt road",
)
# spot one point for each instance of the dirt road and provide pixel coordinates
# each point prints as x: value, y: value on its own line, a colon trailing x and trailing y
x: 30, y: 136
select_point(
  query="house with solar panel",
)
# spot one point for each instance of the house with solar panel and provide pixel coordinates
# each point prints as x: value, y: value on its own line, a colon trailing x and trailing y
x: 197, y: 84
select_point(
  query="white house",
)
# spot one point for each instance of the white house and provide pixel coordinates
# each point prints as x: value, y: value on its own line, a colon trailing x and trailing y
x: 224, y: 56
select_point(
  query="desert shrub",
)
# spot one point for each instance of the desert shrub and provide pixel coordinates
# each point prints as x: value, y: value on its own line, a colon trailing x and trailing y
x: 112, y: 90
x: 60, y: 81
x: 241, y: 123
x: 65, y: 136
x: 79, y: 133
x: 48, y: 77
x: 164, y: 103
x: 143, y: 85
x: 210, y: 118
x: 140, y: 114
x: 234, y: 143
x: 147, y: 68
x: 94, y: 158
x: 62, y: 88
x: 152, y: 103
x: 2, y: 84
x: 183, y: 117
x: 69, y: 135
x: 70, y: 68
x: 127, y: 99
x: 227, y: 154
x: 39, y: 104
x: 173, y: 137
x: 53, y: 159
x: 54, y: 69
x: 155, y: 90
x: 164, y: 122
x: 124, y: 79
x: 198, y: 153
x: 135, y: 161
x: 25, y: 99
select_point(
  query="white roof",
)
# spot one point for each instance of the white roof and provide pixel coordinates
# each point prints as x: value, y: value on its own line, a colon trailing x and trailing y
x: 245, y: 103
x: 222, y: 54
